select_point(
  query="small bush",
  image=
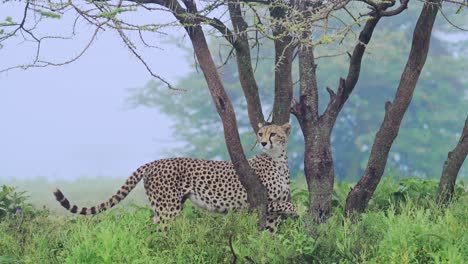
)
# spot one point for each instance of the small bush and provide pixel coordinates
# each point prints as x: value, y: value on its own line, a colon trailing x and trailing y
x: 14, y: 203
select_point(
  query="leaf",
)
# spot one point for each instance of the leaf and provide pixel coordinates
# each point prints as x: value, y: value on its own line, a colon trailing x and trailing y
x: 49, y: 14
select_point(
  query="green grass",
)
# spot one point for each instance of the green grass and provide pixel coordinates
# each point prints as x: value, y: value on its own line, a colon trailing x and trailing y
x: 394, y: 230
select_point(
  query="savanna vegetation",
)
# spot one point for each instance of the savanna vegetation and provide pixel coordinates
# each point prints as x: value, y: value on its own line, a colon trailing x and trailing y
x: 396, y: 220
x: 298, y: 32
x: 403, y: 225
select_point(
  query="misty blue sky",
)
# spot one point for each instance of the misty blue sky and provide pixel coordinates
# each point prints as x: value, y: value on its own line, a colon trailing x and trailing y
x: 74, y: 120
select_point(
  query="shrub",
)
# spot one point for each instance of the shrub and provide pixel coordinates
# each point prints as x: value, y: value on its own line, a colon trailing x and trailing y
x: 14, y: 203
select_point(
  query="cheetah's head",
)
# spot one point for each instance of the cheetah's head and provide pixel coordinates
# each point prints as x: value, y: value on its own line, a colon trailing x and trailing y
x: 273, y: 139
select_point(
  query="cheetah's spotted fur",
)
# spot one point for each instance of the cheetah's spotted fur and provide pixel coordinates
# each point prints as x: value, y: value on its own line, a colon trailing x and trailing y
x: 211, y: 185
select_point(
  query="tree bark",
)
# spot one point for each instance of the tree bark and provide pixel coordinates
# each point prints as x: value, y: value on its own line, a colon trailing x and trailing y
x: 318, y: 159
x: 452, y: 166
x: 256, y: 192
x: 360, y: 195
x: 284, y: 53
x: 244, y: 66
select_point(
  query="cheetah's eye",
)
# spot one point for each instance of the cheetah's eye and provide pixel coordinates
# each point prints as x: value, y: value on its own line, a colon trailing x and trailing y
x: 272, y: 134
x: 260, y: 134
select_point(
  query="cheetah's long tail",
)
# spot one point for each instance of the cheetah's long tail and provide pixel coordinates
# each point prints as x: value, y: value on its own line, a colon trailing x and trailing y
x: 131, y: 182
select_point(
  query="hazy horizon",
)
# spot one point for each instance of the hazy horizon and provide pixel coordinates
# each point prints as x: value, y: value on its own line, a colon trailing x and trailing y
x: 74, y: 120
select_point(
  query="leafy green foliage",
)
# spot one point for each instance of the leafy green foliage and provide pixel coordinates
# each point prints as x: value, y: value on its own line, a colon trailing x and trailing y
x: 405, y: 232
x: 49, y: 14
x: 114, y: 12
x: 13, y: 203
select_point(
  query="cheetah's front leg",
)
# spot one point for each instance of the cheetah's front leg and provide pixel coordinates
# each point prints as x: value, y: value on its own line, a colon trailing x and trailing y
x: 275, y: 211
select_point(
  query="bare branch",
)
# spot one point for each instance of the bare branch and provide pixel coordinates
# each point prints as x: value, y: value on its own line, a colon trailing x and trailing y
x: 295, y: 108
x: 219, y: 25
x: 331, y: 93
x: 457, y: 2
x: 41, y: 63
x: 403, y: 6
x: 132, y: 48
x: 450, y: 22
x: 228, y: 57
x: 20, y: 26
x: 347, y: 85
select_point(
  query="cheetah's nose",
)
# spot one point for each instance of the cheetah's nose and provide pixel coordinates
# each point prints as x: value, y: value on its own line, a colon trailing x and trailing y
x: 263, y: 143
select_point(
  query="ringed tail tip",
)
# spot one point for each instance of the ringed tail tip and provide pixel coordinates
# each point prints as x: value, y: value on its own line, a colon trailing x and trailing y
x: 58, y: 194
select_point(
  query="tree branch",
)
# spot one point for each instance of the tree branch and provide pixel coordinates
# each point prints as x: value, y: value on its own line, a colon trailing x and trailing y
x: 244, y: 66
x: 309, y: 100
x: 457, y: 2
x: 403, y: 6
x: 345, y: 88
x: 220, y: 26
x: 284, y: 52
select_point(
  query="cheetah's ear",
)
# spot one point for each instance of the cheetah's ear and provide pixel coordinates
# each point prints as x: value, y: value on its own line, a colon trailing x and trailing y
x: 260, y: 125
x: 287, y: 128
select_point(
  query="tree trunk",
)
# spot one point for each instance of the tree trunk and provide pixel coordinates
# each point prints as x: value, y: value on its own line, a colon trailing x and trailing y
x: 318, y: 160
x: 244, y: 66
x: 360, y: 195
x: 452, y: 166
x: 256, y: 192
x: 318, y: 165
x: 284, y: 53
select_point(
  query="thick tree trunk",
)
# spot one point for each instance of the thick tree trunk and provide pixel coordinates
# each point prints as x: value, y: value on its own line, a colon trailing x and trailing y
x: 452, y: 166
x: 318, y: 160
x: 318, y: 165
x: 284, y: 53
x: 256, y: 192
x: 360, y: 195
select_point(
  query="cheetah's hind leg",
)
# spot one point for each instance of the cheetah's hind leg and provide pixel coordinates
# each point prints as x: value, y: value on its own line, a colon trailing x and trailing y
x: 165, y: 211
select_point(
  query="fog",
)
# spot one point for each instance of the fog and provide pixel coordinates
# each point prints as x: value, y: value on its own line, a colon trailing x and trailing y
x: 75, y: 120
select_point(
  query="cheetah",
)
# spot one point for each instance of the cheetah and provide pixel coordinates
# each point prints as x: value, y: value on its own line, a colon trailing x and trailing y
x: 210, y: 185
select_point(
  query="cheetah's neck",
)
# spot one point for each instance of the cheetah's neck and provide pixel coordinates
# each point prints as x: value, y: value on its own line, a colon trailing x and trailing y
x: 279, y: 156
